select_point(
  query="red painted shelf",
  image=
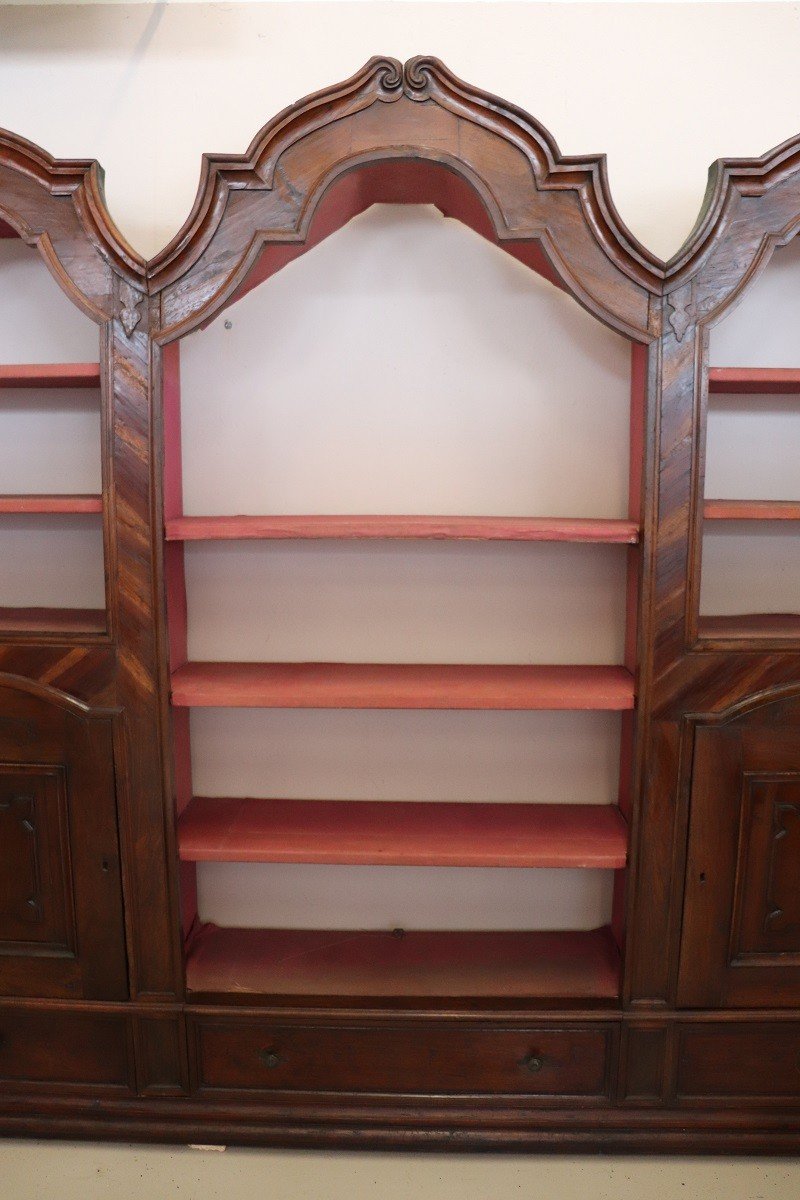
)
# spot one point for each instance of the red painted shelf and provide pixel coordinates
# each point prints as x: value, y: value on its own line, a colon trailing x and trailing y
x: 769, y: 381
x: 226, y: 829
x: 51, y: 504
x: 49, y: 375
x: 52, y: 620
x: 752, y: 510
x: 401, y: 685
x: 512, y: 529
x: 246, y: 964
x: 751, y: 625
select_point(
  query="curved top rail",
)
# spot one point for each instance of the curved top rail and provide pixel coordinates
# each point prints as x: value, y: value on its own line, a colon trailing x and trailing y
x: 729, y: 178
x: 58, y: 206
x: 751, y: 206
x: 418, y: 114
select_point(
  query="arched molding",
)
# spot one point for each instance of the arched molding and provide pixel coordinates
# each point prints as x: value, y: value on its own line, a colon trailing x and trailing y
x: 57, y: 206
x: 751, y: 208
x: 420, y: 115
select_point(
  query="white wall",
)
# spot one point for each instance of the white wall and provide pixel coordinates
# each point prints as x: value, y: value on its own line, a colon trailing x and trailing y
x: 753, y: 451
x: 406, y: 365
x: 49, y: 443
x: 513, y: 381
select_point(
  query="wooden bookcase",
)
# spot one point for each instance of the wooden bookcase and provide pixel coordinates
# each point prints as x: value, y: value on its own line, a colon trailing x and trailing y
x: 676, y: 1026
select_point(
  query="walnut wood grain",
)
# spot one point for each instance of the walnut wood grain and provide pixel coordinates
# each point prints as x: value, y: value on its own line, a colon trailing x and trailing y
x: 751, y: 625
x: 56, y: 620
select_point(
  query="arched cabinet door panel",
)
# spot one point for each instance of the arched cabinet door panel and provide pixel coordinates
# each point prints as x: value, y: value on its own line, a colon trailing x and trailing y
x: 61, y: 926
x: 741, y: 931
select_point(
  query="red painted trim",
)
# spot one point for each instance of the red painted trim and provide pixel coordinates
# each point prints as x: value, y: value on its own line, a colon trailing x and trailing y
x: 51, y: 504
x: 571, y: 965
x: 772, y: 381
x: 227, y: 829
x: 530, y: 529
x: 188, y: 889
x: 171, y: 407
x: 619, y: 908
x: 752, y: 510
x: 49, y: 375
x: 177, y: 614
x: 395, y: 181
x: 395, y: 685
x: 183, y: 759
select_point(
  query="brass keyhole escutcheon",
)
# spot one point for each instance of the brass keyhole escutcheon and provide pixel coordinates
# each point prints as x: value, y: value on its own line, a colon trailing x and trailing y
x: 269, y: 1058
x: 532, y: 1063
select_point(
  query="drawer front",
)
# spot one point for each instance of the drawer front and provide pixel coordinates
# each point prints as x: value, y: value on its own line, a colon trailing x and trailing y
x: 255, y: 1054
x: 755, y: 1063
x: 63, y: 1048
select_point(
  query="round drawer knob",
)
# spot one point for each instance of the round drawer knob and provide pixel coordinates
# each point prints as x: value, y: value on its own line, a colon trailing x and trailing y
x: 269, y: 1058
x: 532, y: 1063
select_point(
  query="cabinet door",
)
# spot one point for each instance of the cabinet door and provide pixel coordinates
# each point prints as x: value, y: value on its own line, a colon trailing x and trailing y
x: 741, y: 932
x: 61, y: 927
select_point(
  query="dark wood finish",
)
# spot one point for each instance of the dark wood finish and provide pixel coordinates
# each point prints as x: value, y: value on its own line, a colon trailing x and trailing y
x: 63, y: 1050
x: 644, y: 1056
x: 267, y: 1056
x: 245, y: 965
x: 226, y: 829
x: 400, y: 685
x: 752, y: 1064
x: 63, y: 621
x: 753, y: 626
x: 61, y: 930
x: 506, y: 529
x: 426, y: 1039
x: 741, y: 942
x: 161, y: 1054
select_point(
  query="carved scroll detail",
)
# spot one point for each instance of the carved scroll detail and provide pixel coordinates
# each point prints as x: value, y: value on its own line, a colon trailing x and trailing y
x: 130, y: 302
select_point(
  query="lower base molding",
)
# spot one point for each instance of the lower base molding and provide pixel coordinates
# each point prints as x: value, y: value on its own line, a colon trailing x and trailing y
x: 597, y: 1081
x: 448, y: 1130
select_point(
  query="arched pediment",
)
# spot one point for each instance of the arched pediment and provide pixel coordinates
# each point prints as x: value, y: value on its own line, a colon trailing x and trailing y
x: 750, y: 209
x: 57, y: 206
x: 408, y: 134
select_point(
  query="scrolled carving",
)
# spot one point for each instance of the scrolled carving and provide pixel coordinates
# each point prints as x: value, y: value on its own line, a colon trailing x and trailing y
x: 418, y: 73
x: 683, y: 310
x: 130, y: 302
x: 595, y: 256
x: 389, y: 74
